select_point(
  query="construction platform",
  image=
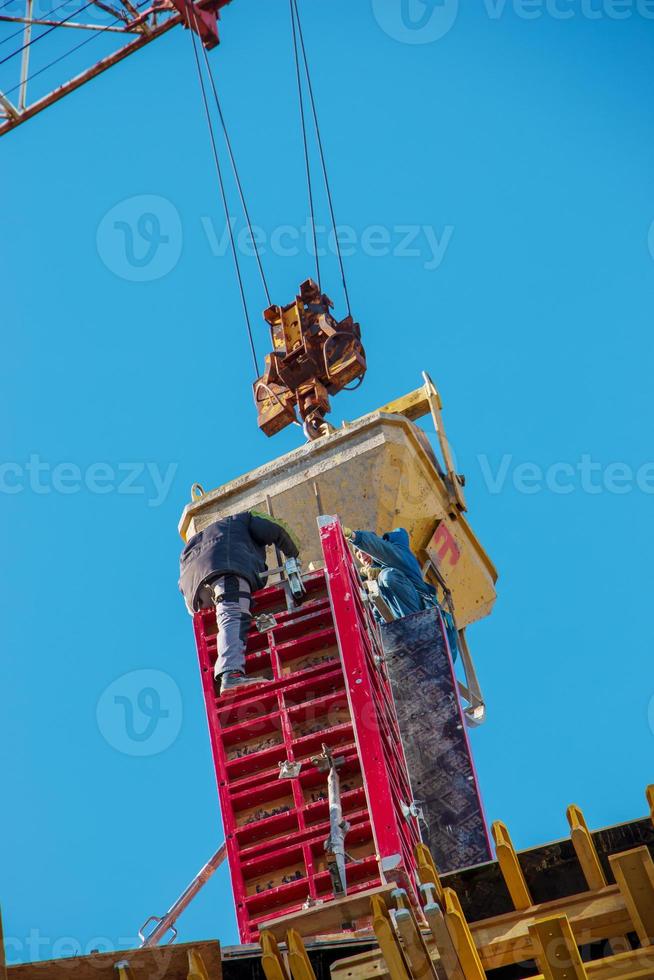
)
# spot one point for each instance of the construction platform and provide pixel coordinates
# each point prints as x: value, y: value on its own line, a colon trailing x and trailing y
x: 578, y: 908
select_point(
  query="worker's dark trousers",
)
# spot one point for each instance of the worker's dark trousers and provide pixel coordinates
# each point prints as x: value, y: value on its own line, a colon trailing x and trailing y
x: 399, y: 593
x: 402, y: 598
x: 232, y: 598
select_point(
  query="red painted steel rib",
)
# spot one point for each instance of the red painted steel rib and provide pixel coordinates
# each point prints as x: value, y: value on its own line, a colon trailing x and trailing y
x: 383, y: 764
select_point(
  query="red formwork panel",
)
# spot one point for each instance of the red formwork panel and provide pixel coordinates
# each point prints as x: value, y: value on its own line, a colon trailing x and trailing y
x: 328, y: 685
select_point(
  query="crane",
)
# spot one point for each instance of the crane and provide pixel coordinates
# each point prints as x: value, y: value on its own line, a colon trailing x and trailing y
x: 141, y: 21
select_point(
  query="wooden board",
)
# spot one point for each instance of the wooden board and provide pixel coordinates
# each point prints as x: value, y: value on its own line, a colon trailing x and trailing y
x: 160, y: 963
x: 329, y: 918
x: 505, y: 940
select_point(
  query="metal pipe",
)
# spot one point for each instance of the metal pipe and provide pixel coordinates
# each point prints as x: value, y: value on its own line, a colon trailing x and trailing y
x: 166, y: 923
x: 25, y: 60
x: 70, y: 23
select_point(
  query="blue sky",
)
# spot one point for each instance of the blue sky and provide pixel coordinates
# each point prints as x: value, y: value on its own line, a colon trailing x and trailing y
x: 519, y: 151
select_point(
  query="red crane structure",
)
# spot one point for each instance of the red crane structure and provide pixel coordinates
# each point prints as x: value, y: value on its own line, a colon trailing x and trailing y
x: 140, y: 21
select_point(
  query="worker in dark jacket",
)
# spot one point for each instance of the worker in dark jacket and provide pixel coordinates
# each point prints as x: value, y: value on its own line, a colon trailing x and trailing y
x: 396, y: 570
x: 222, y: 566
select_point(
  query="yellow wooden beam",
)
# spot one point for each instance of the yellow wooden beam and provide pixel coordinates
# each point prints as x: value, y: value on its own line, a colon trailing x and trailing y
x: 585, y: 849
x: 122, y: 970
x: 505, y: 939
x: 196, y: 966
x: 298, y: 959
x: 271, y: 959
x: 464, y: 944
x: 634, y: 873
x: 510, y: 867
x: 556, y: 950
x: 415, y: 946
x: 427, y: 871
x: 637, y: 964
x: 433, y: 913
x: 391, y: 950
x: 591, y: 866
x: 649, y: 792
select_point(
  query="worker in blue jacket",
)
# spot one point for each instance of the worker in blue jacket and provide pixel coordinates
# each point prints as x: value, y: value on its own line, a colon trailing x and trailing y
x: 396, y: 569
x: 390, y: 560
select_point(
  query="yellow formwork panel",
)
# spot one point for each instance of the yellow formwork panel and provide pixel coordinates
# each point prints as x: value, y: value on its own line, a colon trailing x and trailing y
x: 376, y: 473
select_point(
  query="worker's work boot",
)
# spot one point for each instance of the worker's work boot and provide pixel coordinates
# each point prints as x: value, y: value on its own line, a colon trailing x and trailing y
x: 236, y: 678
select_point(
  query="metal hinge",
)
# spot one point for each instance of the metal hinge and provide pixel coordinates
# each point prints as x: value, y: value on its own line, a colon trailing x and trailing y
x: 413, y: 809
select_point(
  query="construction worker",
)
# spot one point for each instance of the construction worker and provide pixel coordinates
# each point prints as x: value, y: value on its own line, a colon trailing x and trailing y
x: 389, y: 560
x: 222, y: 566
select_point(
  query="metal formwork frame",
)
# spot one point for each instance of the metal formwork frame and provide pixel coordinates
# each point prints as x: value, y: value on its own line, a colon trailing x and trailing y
x: 327, y: 669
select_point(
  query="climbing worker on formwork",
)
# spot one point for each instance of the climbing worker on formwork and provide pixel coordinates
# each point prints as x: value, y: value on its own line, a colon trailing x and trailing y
x: 222, y: 566
x: 389, y: 560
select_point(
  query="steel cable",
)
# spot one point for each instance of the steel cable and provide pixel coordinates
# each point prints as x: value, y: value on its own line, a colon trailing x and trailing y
x: 322, y: 154
x: 221, y: 184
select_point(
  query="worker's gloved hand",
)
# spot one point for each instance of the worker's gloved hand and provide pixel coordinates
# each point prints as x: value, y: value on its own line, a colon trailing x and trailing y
x: 348, y: 532
x: 372, y: 573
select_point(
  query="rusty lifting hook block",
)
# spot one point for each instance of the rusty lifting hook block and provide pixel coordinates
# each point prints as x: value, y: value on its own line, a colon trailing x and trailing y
x: 313, y: 356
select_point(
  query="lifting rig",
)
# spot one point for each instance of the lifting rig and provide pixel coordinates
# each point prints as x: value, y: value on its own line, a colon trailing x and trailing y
x: 313, y: 356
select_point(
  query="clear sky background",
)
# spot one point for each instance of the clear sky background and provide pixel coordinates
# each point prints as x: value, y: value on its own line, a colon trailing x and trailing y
x: 524, y: 148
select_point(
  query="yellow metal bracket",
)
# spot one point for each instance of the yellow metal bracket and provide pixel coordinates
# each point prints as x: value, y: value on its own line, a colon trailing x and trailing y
x: 510, y: 867
x: 556, y: 950
x: 416, y: 405
x: 634, y: 873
